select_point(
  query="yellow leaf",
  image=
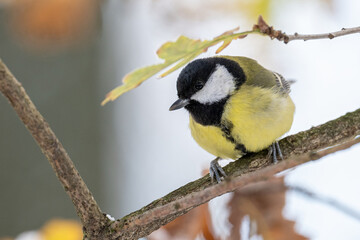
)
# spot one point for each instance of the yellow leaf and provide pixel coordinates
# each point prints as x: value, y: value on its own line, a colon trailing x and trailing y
x: 132, y: 80
x: 227, y: 33
x: 174, y: 51
x: 227, y: 41
x: 181, y: 63
x: 180, y: 52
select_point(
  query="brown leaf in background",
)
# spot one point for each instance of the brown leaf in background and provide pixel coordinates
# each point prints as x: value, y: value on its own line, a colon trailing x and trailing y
x: 196, y: 222
x: 189, y: 226
x: 263, y: 202
x: 52, y: 23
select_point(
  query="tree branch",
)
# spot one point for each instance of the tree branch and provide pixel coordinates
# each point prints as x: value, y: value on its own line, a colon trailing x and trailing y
x: 86, y: 206
x: 242, y: 173
x: 265, y: 29
x: 331, y: 35
x: 297, y: 149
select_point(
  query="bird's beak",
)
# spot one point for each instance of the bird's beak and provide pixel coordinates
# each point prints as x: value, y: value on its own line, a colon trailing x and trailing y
x: 180, y: 103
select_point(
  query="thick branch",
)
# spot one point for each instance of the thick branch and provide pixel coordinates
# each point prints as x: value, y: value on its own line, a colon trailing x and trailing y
x: 297, y: 149
x: 86, y: 207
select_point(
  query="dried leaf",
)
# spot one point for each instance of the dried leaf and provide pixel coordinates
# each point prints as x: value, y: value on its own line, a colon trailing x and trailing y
x: 189, y: 226
x: 227, y: 41
x: 262, y: 25
x: 264, y: 203
x: 132, y: 80
x: 227, y: 33
x: 264, y: 28
x: 180, y: 52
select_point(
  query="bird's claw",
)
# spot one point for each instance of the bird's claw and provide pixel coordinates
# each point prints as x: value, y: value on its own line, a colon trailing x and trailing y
x: 275, y: 150
x: 216, y: 171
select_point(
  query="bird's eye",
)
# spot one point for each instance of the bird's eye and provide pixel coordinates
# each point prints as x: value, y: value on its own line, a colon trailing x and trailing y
x: 198, y: 85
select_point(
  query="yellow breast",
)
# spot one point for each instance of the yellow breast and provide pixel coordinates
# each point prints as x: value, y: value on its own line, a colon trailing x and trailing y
x: 259, y: 116
x: 211, y: 139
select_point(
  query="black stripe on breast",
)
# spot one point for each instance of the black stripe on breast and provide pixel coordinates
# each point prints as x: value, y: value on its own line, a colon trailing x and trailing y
x: 226, y: 128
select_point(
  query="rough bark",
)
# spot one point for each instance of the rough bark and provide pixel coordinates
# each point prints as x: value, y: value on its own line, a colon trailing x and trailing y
x: 297, y: 149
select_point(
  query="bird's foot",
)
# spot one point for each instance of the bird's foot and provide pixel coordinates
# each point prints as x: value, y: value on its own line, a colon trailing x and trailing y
x: 216, y: 170
x: 275, y: 150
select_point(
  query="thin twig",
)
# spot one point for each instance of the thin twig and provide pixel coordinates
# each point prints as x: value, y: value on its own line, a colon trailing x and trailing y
x: 329, y: 201
x: 331, y: 35
x: 86, y: 206
x: 265, y: 29
x: 275, y: 185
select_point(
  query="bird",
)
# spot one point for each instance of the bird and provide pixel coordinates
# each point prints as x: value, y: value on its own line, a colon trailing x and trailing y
x: 236, y: 107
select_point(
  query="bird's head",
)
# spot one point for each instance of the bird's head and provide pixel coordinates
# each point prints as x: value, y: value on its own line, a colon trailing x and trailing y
x: 207, y: 81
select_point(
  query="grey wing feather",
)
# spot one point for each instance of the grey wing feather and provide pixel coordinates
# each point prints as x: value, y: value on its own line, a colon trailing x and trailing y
x: 282, y: 83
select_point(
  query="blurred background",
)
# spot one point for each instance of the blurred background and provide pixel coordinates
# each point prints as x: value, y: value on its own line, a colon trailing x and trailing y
x: 69, y: 54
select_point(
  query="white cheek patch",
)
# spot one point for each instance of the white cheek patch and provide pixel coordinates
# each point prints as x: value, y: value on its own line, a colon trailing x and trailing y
x: 219, y: 85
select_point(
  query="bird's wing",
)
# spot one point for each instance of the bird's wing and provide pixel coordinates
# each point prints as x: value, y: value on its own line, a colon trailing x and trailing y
x: 282, y: 83
x: 259, y: 76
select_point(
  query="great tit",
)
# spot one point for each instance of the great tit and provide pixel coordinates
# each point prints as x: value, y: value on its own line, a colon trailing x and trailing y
x: 236, y: 106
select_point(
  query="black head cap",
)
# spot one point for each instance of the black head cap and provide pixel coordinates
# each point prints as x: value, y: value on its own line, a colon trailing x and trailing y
x: 194, y: 76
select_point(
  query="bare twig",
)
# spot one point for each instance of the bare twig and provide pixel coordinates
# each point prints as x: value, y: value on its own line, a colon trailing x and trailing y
x: 275, y: 184
x: 329, y: 201
x: 86, y: 207
x: 264, y: 28
x: 331, y: 35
